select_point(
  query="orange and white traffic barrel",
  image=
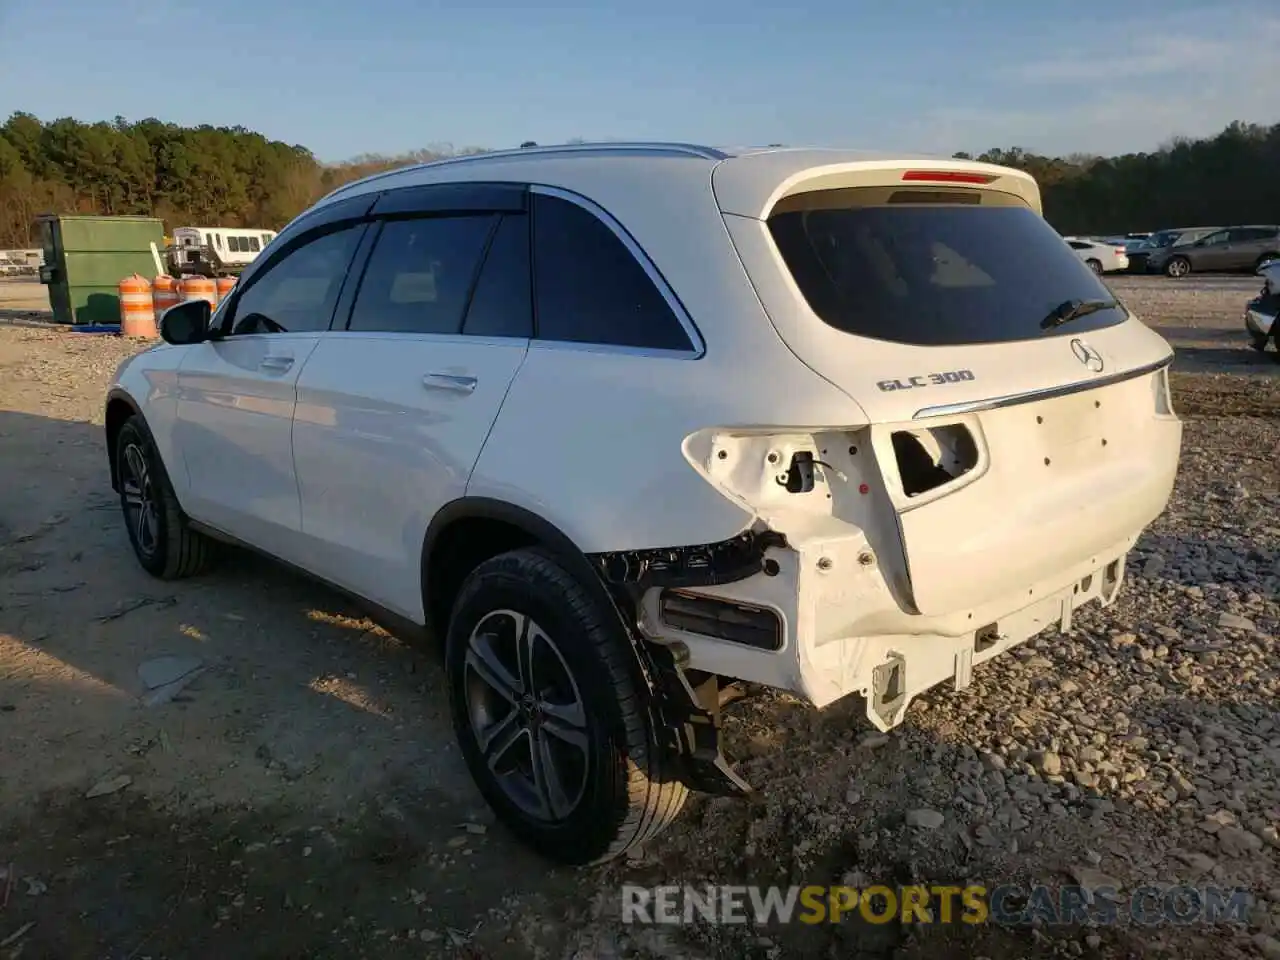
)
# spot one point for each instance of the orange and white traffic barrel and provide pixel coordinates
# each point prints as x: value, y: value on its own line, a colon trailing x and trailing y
x: 223, y: 287
x: 198, y: 288
x: 137, y: 312
x: 164, y: 294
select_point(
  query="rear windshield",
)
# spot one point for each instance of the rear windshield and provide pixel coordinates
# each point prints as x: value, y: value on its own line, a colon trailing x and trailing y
x: 934, y: 273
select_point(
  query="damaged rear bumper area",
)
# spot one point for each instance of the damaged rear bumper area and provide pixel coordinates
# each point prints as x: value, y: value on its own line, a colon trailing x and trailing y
x: 686, y: 703
x: 746, y: 610
x: 810, y: 627
x: 886, y: 559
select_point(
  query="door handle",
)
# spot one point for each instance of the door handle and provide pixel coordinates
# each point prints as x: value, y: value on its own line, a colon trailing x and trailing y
x: 275, y: 364
x: 449, y: 381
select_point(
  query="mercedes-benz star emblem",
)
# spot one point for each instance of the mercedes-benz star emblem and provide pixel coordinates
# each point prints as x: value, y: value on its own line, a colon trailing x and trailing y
x: 1090, y: 357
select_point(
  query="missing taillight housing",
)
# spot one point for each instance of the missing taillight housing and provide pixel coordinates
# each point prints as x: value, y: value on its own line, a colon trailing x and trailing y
x: 932, y: 456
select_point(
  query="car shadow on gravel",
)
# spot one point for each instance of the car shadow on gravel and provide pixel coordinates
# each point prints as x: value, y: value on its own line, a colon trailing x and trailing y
x: 302, y: 796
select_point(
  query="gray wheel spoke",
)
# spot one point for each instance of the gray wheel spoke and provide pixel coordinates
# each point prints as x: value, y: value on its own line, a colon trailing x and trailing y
x: 565, y: 722
x: 486, y: 665
x: 528, y: 637
x: 145, y: 537
x: 138, y: 466
x: 547, y: 779
x: 499, y: 739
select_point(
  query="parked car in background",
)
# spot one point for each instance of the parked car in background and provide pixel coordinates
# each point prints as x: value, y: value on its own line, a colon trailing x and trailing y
x: 1231, y: 249
x: 1130, y: 241
x: 1260, y: 313
x: 627, y: 426
x: 1098, y: 256
x: 1140, y: 254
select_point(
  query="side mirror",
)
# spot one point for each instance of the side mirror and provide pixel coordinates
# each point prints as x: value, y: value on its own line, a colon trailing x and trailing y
x: 187, y: 322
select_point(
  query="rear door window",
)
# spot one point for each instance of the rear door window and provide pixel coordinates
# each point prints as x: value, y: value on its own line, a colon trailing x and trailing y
x: 1251, y: 234
x: 933, y: 273
x: 502, y: 303
x: 420, y: 275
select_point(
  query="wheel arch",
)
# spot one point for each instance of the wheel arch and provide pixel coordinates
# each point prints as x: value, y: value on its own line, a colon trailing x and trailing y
x: 470, y: 530
x: 119, y: 408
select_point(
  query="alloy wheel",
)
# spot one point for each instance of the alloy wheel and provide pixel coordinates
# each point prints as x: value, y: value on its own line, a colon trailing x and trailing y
x: 139, y: 500
x: 527, y: 715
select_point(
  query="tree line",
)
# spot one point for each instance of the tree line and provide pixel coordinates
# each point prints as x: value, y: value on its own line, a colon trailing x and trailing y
x: 236, y: 177
x: 1231, y: 178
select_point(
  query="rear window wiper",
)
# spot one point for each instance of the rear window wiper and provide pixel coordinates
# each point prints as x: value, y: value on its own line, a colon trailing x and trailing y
x: 1069, y: 310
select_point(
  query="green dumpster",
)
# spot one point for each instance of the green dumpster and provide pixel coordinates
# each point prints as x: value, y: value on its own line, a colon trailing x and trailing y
x: 86, y: 257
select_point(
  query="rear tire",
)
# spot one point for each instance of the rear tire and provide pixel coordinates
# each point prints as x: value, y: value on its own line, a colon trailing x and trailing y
x: 537, y: 666
x: 1177, y: 267
x: 159, y: 531
x: 1095, y: 266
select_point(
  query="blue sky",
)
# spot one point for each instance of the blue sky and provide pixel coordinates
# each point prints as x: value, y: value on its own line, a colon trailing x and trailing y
x: 388, y: 76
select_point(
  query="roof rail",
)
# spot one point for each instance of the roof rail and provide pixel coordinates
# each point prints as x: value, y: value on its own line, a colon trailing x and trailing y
x: 567, y: 149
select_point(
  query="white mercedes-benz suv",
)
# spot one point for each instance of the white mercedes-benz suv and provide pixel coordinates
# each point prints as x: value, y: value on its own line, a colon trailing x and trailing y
x: 630, y: 426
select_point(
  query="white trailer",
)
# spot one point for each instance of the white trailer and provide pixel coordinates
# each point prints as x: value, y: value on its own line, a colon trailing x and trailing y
x: 216, y: 250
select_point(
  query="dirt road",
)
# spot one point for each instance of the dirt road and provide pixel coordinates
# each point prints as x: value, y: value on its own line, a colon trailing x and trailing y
x: 22, y: 296
x: 303, y: 798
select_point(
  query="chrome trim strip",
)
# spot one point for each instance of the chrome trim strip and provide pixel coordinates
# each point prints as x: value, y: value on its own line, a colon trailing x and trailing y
x: 471, y: 341
x: 699, y: 347
x: 587, y: 347
x: 1048, y: 393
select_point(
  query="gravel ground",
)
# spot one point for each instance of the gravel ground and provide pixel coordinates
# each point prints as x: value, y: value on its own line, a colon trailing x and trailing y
x: 302, y: 799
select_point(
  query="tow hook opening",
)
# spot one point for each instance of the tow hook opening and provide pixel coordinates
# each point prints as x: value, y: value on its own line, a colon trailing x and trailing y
x: 932, y: 456
x: 889, y: 689
x: 1111, y: 580
x: 986, y: 638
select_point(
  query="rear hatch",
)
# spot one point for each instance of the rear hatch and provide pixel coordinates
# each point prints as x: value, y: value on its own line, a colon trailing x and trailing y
x: 1019, y: 414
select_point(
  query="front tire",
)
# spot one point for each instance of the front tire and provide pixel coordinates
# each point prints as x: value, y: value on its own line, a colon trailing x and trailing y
x: 1177, y: 267
x: 1095, y: 265
x: 548, y: 715
x: 159, y: 531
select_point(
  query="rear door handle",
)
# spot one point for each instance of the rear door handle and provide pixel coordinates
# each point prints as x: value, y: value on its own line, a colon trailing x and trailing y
x: 449, y: 381
x: 275, y: 364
